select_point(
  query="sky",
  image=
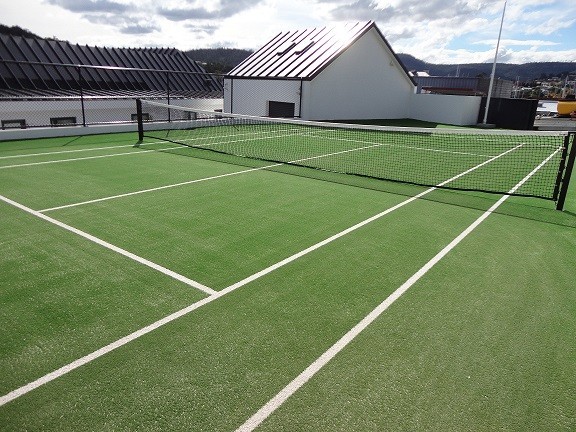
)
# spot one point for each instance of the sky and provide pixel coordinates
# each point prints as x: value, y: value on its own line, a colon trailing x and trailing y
x: 436, y: 31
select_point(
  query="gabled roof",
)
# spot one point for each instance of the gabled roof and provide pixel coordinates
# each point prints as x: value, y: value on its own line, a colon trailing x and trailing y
x: 304, y: 53
x: 45, y: 67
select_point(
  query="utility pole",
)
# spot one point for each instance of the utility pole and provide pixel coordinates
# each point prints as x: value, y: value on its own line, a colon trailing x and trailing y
x: 493, y: 69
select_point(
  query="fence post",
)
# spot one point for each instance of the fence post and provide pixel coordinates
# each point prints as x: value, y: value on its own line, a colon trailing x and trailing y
x: 300, y: 101
x: 140, y: 120
x: 567, y: 173
x: 168, y: 93
x: 81, y: 96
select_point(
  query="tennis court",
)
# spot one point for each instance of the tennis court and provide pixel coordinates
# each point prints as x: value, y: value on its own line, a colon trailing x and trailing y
x: 148, y: 285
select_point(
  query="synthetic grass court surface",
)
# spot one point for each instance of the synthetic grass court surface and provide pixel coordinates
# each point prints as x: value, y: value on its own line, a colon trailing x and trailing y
x: 483, y: 341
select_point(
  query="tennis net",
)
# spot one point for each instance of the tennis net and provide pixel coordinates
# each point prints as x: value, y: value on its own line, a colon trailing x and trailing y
x: 463, y: 159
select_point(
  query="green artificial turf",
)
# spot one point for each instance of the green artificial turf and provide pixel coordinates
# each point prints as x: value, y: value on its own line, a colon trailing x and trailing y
x: 482, y: 342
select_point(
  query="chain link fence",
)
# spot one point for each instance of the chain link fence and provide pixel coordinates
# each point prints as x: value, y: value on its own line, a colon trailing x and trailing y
x: 53, y: 95
x: 266, y: 97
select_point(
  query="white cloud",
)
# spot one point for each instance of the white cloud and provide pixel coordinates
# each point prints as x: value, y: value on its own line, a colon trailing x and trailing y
x: 443, y: 31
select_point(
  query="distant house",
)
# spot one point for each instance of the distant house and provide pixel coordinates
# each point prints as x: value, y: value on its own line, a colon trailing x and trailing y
x: 463, y: 86
x: 331, y: 73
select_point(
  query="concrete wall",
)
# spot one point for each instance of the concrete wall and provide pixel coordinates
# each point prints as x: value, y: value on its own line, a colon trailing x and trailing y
x: 365, y: 82
x: 448, y: 109
x: 64, y: 131
x: 251, y: 96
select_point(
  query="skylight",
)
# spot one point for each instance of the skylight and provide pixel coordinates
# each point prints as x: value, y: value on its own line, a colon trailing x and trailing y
x: 303, y: 47
x: 285, y: 47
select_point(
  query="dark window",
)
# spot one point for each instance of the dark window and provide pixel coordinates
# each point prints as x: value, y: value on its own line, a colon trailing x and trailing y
x: 62, y: 121
x: 145, y: 117
x: 281, y: 109
x: 14, y: 124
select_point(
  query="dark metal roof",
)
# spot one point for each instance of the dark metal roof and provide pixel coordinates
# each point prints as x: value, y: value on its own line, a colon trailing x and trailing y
x: 41, y: 66
x: 303, y: 54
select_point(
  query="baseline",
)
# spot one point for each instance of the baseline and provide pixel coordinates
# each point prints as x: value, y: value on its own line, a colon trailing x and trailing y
x: 79, y: 159
x: 64, y: 151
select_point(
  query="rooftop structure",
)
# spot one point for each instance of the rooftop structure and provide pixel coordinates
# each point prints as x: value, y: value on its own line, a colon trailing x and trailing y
x: 40, y: 67
x: 305, y: 53
x: 339, y: 72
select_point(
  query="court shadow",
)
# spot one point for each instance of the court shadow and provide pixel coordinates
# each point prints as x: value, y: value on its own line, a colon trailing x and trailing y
x: 527, y: 208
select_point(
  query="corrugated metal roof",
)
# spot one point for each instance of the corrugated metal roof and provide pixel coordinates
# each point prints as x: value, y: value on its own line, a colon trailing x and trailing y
x: 45, y: 65
x: 303, y: 53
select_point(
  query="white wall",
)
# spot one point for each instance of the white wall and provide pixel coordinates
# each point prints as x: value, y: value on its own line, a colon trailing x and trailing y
x: 251, y: 96
x: 448, y: 109
x: 39, y: 112
x: 364, y: 82
x: 115, y: 111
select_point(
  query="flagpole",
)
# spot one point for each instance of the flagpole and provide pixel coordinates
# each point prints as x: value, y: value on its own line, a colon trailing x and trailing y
x: 494, y: 68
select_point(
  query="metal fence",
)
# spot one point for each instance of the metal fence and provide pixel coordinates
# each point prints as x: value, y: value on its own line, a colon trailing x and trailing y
x: 34, y: 94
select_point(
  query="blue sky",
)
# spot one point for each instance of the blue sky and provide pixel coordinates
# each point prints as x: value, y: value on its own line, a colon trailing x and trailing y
x: 437, y: 31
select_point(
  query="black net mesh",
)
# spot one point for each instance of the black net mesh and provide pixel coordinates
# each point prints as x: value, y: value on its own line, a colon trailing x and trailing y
x: 462, y: 159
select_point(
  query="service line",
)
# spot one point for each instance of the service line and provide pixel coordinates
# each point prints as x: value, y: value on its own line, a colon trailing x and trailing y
x: 112, y: 247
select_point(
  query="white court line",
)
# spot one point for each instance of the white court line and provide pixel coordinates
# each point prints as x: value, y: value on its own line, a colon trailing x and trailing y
x: 235, y: 135
x: 112, y: 247
x: 424, y: 149
x: 130, y: 153
x: 127, y: 194
x: 137, y: 334
x: 49, y: 153
x: 66, y: 151
x: 281, y: 397
x: 405, y: 146
x: 80, y: 159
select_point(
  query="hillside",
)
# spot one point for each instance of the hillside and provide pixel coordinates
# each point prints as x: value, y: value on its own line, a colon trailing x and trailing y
x: 222, y: 60
x: 219, y: 60
x: 17, y: 31
x: 522, y: 72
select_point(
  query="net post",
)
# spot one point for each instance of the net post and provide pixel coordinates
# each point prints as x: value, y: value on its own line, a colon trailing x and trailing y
x: 140, y: 120
x: 561, y: 167
x: 567, y: 172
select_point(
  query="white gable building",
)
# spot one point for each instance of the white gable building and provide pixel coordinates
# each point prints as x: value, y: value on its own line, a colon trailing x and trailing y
x: 346, y: 72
